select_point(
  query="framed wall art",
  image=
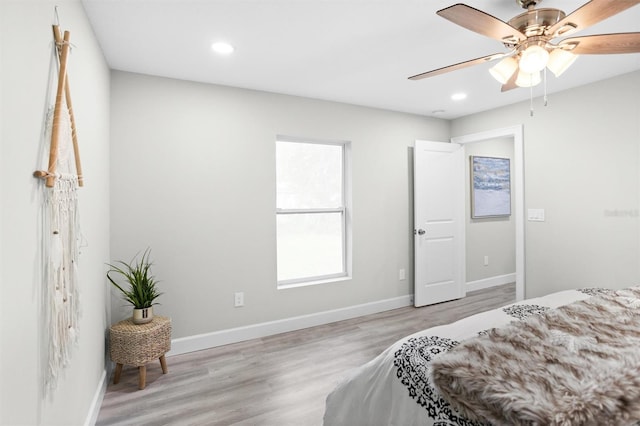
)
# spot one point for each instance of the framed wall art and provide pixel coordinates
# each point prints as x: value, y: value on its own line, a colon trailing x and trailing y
x: 490, y: 187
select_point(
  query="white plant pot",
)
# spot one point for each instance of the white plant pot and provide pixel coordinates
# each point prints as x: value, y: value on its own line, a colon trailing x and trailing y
x: 142, y: 316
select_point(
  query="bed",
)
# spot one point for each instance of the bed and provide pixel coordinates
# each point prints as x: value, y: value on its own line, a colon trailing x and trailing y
x: 401, y: 387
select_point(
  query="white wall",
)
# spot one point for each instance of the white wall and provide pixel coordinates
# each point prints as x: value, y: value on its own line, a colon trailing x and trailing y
x: 26, y: 35
x: 193, y: 177
x: 494, y: 237
x: 582, y: 165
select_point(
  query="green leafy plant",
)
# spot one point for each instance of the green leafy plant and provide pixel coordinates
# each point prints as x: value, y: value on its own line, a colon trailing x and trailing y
x: 142, y: 289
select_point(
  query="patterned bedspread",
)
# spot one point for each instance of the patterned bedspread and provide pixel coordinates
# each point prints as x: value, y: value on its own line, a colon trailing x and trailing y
x: 395, y: 388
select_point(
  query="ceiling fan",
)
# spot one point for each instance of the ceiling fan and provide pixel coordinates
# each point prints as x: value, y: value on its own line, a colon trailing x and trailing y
x: 529, y: 36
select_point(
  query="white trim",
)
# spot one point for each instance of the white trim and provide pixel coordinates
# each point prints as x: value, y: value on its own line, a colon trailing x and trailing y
x: 233, y: 335
x: 490, y: 282
x: 517, y: 133
x: 299, y: 284
x: 96, y: 402
x: 311, y: 211
x: 304, y: 139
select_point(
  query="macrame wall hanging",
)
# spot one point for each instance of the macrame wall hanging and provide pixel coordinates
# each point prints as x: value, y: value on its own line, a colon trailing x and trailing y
x: 60, y: 224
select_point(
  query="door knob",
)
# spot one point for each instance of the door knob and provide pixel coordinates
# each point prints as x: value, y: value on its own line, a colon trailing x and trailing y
x: 421, y: 232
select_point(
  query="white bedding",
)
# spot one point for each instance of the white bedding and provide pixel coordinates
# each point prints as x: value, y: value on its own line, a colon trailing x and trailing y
x: 395, y: 389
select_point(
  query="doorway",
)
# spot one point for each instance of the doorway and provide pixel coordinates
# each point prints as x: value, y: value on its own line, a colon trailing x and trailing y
x: 514, y: 133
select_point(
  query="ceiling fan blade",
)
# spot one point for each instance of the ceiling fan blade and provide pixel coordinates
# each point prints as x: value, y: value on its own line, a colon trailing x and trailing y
x: 481, y: 23
x: 511, y: 84
x: 458, y: 66
x: 603, y: 44
x: 588, y: 14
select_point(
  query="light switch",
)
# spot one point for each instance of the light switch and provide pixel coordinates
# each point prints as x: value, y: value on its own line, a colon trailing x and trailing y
x: 535, y: 215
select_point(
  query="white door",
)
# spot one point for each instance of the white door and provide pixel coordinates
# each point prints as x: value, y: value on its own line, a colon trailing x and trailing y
x: 438, y: 184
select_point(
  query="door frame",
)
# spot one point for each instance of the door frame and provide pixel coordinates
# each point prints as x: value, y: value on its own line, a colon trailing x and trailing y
x: 517, y: 133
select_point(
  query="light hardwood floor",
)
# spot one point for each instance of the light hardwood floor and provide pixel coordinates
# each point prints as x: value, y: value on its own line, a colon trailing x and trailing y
x: 278, y: 380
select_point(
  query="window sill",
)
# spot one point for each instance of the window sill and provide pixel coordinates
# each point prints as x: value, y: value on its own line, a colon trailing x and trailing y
x: 310, y: 283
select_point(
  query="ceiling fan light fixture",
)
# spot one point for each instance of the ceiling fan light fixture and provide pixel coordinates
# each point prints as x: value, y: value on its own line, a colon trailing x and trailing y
x: 560, y: 60
x: 526, y: 79
x: 503, y: 70
x: 533, y: 59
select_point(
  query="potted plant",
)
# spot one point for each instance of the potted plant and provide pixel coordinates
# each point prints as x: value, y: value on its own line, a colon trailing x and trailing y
x: 142, y: 290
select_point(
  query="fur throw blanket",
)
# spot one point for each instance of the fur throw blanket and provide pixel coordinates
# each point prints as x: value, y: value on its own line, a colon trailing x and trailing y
x: 575, y: 365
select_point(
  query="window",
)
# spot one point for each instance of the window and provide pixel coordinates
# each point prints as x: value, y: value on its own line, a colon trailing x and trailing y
x: 312, y: 213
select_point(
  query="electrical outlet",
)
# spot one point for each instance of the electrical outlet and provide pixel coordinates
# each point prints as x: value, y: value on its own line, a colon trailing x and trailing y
x: 402, y: 275
x: 238, y: 299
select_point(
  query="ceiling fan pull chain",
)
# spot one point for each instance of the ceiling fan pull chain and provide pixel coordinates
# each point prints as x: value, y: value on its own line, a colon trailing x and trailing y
x: 531, y: 101
x: 545, y: 87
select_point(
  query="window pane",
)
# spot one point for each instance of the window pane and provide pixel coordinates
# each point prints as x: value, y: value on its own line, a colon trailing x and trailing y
x: 309, y: 245
x: 308, y: 175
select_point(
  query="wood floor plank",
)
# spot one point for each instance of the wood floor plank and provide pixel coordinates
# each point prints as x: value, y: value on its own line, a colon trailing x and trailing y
x: 277, y: 380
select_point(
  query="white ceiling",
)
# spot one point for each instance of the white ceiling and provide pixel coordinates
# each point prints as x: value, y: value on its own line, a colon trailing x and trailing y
x: 355, y: 51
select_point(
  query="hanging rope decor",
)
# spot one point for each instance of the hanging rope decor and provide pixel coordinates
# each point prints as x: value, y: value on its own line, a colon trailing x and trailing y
x: 61, y: 293
x: 61, y: 224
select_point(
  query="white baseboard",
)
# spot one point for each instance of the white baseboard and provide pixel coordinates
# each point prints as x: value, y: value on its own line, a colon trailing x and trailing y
x: 94, y: 409
x: 491, y: 282
x: 224, y: 337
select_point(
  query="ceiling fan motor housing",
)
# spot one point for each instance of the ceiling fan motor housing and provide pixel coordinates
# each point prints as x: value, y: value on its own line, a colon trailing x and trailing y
x: 534, y: 23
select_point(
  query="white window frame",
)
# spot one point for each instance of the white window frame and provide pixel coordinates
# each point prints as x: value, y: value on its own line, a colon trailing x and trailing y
x: 344, y: 209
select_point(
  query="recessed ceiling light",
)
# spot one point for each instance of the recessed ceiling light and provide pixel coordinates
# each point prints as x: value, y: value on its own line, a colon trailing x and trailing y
x: 458, y: 96
x: 222, y: 48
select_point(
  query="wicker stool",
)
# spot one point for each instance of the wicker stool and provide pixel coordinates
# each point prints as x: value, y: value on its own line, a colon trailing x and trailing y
x: 137, y: 344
